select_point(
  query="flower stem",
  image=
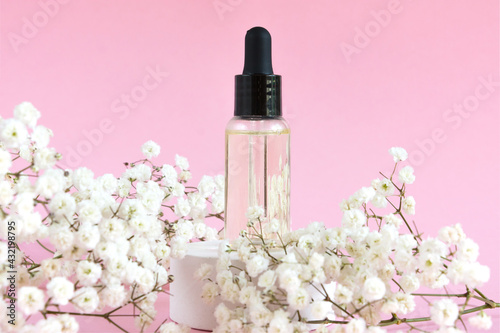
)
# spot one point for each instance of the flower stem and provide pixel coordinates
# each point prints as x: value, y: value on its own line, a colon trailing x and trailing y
x: 44, y: 247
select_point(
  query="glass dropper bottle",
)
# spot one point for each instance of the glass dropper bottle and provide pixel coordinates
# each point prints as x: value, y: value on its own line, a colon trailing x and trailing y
x: 257, y: 167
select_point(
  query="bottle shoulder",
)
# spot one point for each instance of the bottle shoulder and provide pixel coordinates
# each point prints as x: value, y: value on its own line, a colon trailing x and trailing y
x: 274, y: 125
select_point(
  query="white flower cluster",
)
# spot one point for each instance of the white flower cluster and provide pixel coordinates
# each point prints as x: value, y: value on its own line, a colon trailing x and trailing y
x: 108, y: 240
x: 361, y: 274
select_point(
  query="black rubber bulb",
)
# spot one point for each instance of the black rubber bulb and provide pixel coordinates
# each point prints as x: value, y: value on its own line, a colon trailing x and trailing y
x: 258, y: 89
x: 258, y: 52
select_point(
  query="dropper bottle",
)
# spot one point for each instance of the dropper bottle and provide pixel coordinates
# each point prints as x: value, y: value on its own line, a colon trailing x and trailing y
x: 257, y: 147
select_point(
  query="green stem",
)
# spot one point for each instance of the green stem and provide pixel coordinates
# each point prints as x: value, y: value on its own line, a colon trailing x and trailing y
x: 396, y: 320
x: 44, y: 247
x: 327, y: 321
x: 442, y: 295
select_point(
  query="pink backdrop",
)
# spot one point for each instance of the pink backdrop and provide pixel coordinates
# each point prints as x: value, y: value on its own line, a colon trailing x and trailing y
x: 358, y: 78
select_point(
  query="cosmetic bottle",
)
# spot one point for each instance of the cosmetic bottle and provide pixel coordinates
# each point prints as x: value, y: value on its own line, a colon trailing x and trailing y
x: 257, y: 166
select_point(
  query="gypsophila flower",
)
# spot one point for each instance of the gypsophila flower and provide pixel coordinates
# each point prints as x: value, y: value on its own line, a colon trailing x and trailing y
x: 108, y: 183
x: 203, y: 272
x: 174, y: 328
x: 13, y: 133
x: 399, y: 154
x: 222, y: 314
x: 379, y: 201
x: 169, y: 175
x: 182, y: 162
x: 254, y: 213
x: 321, y: 309
x: 256, y: 265
x: 298, y: 298
x: 316, y: 261
x: 373, y: 289
x: 343, y: 294
x: 452, y: 235
x: 31, y: 300
x: 88, y: 236
x: 131, y: 208
x: 267, y: 279
x: 114, y: 295
x: 433, y: 246
x: 86, y: 300
x: 206, y: 186
x: 5, y: 161
x: 41, y: 136
x: 309, y: 242
x: 61, y: 237
x: 141, y: 172
x: 468, y: 250
x: 248, y: 295
x: 117, y: 266
x: 88, y: 272
x: 50, y: 183
x: 26, y: 153
x: 49, y: 325
x: 405, y: 303
x: 209, y: 292
x: 260, y: 315
x: 83, y: 179
x: 383, y: 187
x: 3, y: 252
x: 45, y: 158
x: 182, y: 207
x: 218, y: 203
x: 409, y: 205
x: 124, y: 185
x: 353, y: 218
x: 177, y: 190
x: 68, y: 323
x: 145, y: 280
x: 6, y: 193
x: 280, y: 323
x: 27, y: 113
x: 471, y: 274
x: 444, y: 312
x: 185, y: 175
x: 394, y: 220
x: 150, y: 149
x: 356, y: 325
x: 406, y: 175
x: 51, y: 267
x: 365, y: 194
x: 481, y: 321
x: 409, y: 282
x: 61, y: 290
x: 63, y: 204
x: 200, y: 229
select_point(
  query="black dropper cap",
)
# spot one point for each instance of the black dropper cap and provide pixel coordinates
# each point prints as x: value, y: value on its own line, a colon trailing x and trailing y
x: 258, y: 89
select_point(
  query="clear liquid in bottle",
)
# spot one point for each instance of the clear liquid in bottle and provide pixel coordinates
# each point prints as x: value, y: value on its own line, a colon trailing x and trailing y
x: 257, y: 174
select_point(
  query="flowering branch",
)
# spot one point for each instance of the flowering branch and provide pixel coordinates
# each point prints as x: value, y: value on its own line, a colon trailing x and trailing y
x: 109, y: 239
x: 355, y: 278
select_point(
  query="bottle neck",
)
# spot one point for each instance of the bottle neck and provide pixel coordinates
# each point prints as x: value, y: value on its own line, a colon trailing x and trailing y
x: 257, y: 117
x: 257, y: 95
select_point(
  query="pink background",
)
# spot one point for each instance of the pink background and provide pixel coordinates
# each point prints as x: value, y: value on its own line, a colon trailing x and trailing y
x: 396, y: 85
